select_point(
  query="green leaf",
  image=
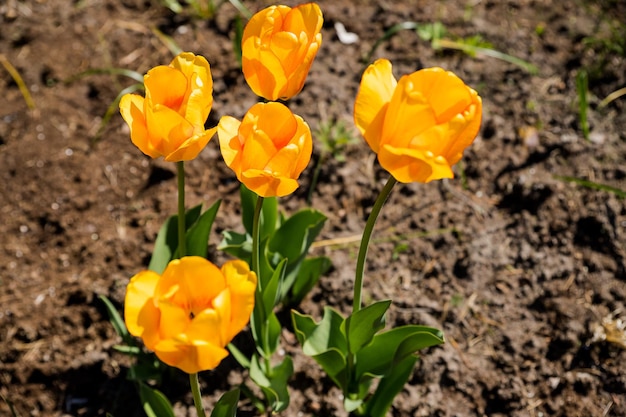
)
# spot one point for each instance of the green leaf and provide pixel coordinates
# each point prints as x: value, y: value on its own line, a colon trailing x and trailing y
x: 309, y: 274
x: 292, y: 241
x: 226, y: 406
x: 271, y: 289
x: 324, y: 342
x: 394, y: 346
x: 128, y: 350
x: 273, y: 383
x: 302, y: 228
x: 117, y: 321
x: 155, y: 404
x: 237, y: 245
x: 197, y: 236
x: 362, y: 325
x: 167, y: 239
x: 389, y: 386
x: 239, y: 356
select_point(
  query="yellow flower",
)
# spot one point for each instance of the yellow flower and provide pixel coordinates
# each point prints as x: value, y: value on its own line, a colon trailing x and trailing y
x: 169, y: 121
x: 268, y: 149
x: 278, y: 47
x: 190, y: 313
x: 420, y: 125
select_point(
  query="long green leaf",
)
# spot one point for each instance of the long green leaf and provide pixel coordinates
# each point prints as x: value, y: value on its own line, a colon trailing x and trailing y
x: 167, y: 239
x: 116, y: 320
x: 393, y: 346
x: 226, y: 406
x: 155, y: 404
x: 198, y: 234
x: 309, y: 274
x: 388, y: 387
x: 362, y: 326
x: 273, y: 382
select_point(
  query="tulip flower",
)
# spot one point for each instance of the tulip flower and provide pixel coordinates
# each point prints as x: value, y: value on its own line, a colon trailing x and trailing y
x: 268, y: 149
x: 420, y: 125
x: 192, y: 311
x: 169, y: 121
x: 278, y: 47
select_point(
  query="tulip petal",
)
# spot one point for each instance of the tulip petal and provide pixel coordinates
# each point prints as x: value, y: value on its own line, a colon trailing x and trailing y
x: 276, y: 120
x: 131, y: 108
x: 166, y: 86
x: 413, y: 165
x: 230, y: 145
x: 192, y: 147
x: 307, y: 17
x: 191, y: 283
x: 446, y: 93
x: 168, y: 125
x: 266, y: 184
x: 375, y: 92
x: 140, y: 313
x: 469, y: 123
x: 190, y: 358
x: 242, y: 283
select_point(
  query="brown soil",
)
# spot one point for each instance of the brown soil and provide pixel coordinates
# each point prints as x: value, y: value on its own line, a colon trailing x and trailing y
x: 516, y: 266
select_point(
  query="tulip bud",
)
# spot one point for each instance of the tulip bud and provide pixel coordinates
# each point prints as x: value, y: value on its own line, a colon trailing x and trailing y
x: 169, y: 121
x: 420, y: 125
x: 268, y: 149
x: 278, y: 47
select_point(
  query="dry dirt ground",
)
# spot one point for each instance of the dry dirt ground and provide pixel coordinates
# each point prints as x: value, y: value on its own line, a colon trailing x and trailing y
x: 517, y: 266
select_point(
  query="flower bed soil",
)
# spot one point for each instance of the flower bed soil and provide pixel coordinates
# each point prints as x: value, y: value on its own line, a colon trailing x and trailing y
x: 517, y: 266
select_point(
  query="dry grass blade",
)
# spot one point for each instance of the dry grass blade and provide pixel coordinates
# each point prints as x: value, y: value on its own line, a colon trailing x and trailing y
x: 18, y: 80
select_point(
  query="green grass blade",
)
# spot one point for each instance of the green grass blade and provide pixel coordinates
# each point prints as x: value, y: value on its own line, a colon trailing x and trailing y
x: 134, y: 75
x: 474, y: 50
x: 245, y: 12
x: 113, y: 109
x: 388, y: 34
x: 593, y: 185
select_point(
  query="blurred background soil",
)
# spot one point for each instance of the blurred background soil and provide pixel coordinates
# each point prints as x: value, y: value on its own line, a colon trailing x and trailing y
x: 524, y: 271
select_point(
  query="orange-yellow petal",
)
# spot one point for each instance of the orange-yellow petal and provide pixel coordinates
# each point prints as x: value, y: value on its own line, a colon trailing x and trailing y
x: 166, y: 86
x: 230, y: 145
x: 413, y: 165
x: 191, y: 283
x: 140, y: 313
x: 132, y: 110
x: 375, y: 92
x: 190, y: 148
x: 190, y: 357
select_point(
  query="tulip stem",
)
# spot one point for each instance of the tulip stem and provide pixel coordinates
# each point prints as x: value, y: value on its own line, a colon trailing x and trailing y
x: 180, y: 170
x: 195, y: 390
x: 256, y: 220
x: 256, y: 226
x: 365, y: 240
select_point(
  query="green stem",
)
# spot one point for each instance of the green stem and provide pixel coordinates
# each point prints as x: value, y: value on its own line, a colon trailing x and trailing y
x: 256, y: 227
x: 182, y: 249
x: 256, y: 220
x: 195, y: 390
x: 365, y: 240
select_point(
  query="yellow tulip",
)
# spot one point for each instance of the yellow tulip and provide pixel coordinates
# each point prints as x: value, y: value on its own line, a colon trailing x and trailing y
x: 192, y: 311
x: 278, y: 47
x: 169, y: 121
x: 420, y: 125
x: 268, y: 149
